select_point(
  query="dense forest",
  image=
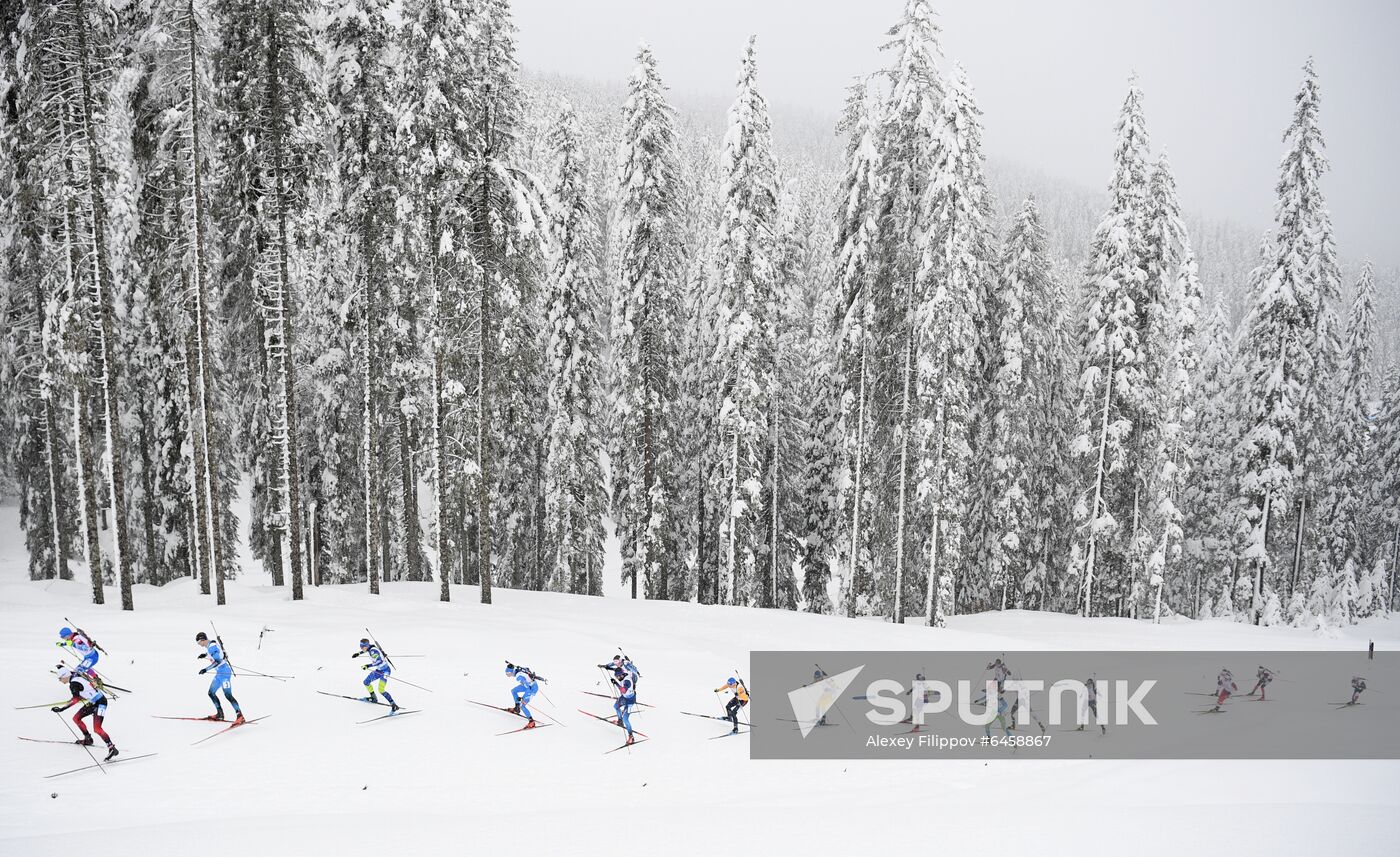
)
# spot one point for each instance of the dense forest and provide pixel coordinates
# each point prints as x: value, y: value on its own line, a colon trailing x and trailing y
x: 341, y: 268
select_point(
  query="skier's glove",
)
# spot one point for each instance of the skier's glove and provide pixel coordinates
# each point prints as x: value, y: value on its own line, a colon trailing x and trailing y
x: 58, y: 708
x: 201, y: 656
x: 357, y: 654
x: 366, y: 666
x: 203, y: 671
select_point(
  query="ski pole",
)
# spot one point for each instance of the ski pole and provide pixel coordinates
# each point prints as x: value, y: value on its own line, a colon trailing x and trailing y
x: 80, y: 744
x: 261, y: 633
x: 244, y: 671
x: 381, y: 649
x: 90, y: 638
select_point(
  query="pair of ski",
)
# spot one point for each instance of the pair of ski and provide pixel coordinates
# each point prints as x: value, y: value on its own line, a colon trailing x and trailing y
x: 512, y: 711
x: 229, y: 728
x: 399, y: 713
x: 634, y: 741
x: 102, y: 764
x: 731, y: 733
x: 610, y: 696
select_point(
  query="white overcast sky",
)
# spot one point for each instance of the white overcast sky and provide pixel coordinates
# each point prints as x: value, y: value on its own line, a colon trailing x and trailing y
x: 1219, y: 79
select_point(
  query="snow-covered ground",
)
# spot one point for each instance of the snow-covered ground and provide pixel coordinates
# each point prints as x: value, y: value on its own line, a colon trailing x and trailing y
x: 308, y: 780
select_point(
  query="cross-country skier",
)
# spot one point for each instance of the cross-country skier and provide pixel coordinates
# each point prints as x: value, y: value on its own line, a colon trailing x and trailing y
x: 527, y: 684
x: 379, y: 672
x: 626, y: 698
x: 1091, y: 702
x: 1224, y: 686
x: 223, y: 677
x: 78, y: 643
x: 1261, y: 685
x: 1358, y: 684
x: 919, y: 693
x: 1000, y: 672
x: 738, y: 701
x: 819, y: 676
x: 621, y: 661
x: 94, y: 704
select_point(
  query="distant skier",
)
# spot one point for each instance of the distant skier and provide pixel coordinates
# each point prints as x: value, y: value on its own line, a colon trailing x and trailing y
x: 1224, y: 686
x: 1358, y: 684
x: 1000, y: 672
x: 1261, y: 685
x: 621, y: 661
x: 78, y: 643
x: 736, y: 702
x: 223, y: 677
x: 921, y: 696
x: 1091, y: 702
x: 828, y: 696
x: 1371, y: 650
x: 527, y: 684
x: 626, y: 686
x: 94, y: 703
x: 379, y: 672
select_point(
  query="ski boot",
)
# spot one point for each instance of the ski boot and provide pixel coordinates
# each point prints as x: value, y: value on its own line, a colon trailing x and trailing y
x: 111, y: 752
x: 371, y: 698
x: 734, y: 731
x: 239, y: 721
x: 531, y: 725
x: 393, y: 708
x: 631, y: 739
x: 85, y: 741
x: 1080, y: 728
x: 515, y: 709
x: 217, y: 718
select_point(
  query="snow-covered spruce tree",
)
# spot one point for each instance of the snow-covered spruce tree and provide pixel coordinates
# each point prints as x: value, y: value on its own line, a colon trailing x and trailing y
x: 1209, y: 505
x: 1386, y: 479
x: 955, y: 276
x: 1039, y: 426
x: 1173, y: 323
x: 1348, y: 532
x: 1285, y: 350
x: 360, y: 71
x: 1305, y: 234
x: 83, y: 64
x: 907, y: 141
x: 573, y: 479
x: 181, y: 89
x: 434, y: 119
x: 506, y: 229
x: 1113, y: 385
x: 642, y: 323
x: 856, y: 252
x: 1021, y: 374
x: 280, y: 97
x: 35, y: 450
x: 746, y: 325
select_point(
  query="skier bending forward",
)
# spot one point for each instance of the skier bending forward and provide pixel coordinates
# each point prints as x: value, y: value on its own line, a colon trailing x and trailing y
x: 379, y: 672
x: 738, y: 701
x: 94, y: 705
x: 527, y: 684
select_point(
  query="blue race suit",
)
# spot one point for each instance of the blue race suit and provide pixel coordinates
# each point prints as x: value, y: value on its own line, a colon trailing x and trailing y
x: 379, y: 670
x: 525, y: 689
x: 626, y: 698
x: 223, y: 678
x: 85, y: 650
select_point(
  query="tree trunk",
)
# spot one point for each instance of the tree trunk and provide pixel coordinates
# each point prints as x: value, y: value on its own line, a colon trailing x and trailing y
x: 484, y: 364
x: 368, y: 444
x: 103, y: 289
x: 408, y: 486
x: 291, y: 472
x: 1099, y: 474
x: 439, y: 450
x: 212, y: 515
x: 200, y: 525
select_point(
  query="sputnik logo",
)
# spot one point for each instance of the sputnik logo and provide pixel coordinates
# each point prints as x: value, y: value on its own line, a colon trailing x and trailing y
x: 811, y: 702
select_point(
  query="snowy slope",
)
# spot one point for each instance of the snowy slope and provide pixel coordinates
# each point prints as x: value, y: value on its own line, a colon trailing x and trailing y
x: 308, y: 780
